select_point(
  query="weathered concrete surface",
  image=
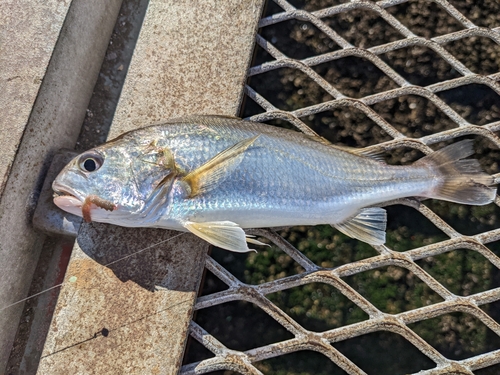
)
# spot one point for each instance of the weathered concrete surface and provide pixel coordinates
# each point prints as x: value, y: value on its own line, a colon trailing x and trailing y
x: 191, y: 59
x: 28, y: 35
x: 188, y: 59
x: 50, y: 55
x: 108, y: 321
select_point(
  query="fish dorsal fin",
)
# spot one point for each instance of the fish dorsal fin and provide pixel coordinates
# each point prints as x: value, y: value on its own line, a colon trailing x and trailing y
x: 375, y: 153
x: 229, y: 117
x: 224, y: 234
x: 215, y: 170
x: 318, y: 138
x: 368, y: 226
x: 202, y: 118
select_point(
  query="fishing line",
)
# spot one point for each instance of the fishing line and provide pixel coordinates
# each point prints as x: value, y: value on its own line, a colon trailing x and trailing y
x: 73, y: 278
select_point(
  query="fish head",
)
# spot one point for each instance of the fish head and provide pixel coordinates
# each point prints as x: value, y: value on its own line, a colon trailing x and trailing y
x: 114, y: 183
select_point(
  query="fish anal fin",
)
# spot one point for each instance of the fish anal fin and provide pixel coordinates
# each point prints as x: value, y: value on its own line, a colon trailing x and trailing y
x: 224, y: 234
x: 214, y: 171
x: 367, y: 226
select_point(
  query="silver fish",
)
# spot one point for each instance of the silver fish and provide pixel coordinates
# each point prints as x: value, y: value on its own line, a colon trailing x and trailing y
x: 213, y: 176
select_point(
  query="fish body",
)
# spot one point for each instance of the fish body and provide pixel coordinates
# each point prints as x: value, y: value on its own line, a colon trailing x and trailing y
x: 214, y: 176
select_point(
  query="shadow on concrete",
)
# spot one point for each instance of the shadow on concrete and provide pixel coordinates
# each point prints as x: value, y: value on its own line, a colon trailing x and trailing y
x: 151, y: 266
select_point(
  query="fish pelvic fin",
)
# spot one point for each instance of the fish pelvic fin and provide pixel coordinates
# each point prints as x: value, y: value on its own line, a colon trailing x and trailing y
x: 462, y: 181
x: 367, y: 226
x: 224, y: 234
x: 214, y: 171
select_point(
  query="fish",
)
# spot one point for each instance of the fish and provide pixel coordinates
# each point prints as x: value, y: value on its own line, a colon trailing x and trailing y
x: 215, y: 176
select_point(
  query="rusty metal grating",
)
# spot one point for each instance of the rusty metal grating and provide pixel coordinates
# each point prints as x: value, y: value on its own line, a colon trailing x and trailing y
x: 303, y: 339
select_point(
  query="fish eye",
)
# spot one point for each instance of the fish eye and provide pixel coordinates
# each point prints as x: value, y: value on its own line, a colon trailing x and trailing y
x: 90, y: 162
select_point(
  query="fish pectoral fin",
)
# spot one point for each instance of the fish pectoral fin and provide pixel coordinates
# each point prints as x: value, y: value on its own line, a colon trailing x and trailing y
x: 368, y: 226
x: 213, y: 172
x: 224, y: 234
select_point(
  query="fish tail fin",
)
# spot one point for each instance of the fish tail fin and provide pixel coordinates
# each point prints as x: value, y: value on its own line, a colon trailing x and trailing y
x: 461, y: 181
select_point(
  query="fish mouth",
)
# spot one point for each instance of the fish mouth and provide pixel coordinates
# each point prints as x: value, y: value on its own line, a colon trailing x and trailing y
x: 68, y: 199
x: 62, y: 191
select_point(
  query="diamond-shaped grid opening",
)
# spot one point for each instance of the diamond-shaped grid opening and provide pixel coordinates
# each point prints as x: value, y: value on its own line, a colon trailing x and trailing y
x: 495, y: 247
x: 269, y: 264
x: 318, y: 307
x: 327, y: 247
x: 300, y: 363
x: 240, y: 325
x: 298, y: 39
x: 478, y: 104
x: 348, y: 126
x: 270, y: 8
x: 363, y: 28
x: 289, y: 89
x: 211, y: 283
x: 493, y: 308
x: 382, y: 353
x: 231, y: 261
x: 480, y: 54
x: 393, y: 289
x: 484, y: 13
x: 414, y: 116
x: 463, y: 272
x: 355, y: 77
x: 195, y: 352
x: 457, y: 335
x: 403, y: 156
x: 420, y: 65
x: 261, y: 56
x: 490, y: 370
x: 425, y: 18
x: 408, y: 229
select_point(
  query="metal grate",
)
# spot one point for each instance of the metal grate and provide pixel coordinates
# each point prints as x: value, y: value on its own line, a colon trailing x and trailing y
x: 303, y: 339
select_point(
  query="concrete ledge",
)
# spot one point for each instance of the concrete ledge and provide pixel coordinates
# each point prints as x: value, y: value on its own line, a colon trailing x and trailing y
x: 190, y: 58
x: 50, y: 59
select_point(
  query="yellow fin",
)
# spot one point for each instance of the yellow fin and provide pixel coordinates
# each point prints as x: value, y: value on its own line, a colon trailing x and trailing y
x: 368, y: 226
x: 214, y: 171
x: 224, y: 234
